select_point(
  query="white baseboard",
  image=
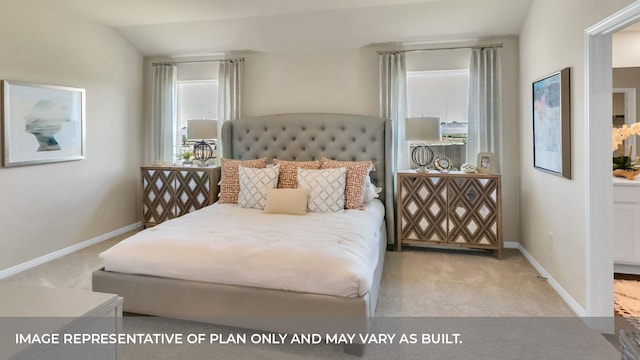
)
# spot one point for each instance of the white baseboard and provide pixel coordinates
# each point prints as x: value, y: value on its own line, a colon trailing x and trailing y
x: 511, y: 245
x: 573, y: 304
x: 66, y: 251
x: 626, y: 268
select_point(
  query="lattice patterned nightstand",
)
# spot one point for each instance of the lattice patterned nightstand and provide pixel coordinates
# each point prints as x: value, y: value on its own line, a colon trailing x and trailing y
x: 450, y: 209
x: 172, y: 191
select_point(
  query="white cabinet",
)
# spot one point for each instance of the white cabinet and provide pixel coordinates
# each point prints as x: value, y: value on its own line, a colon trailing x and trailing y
x: 48, y: 323
x: 626, y: 226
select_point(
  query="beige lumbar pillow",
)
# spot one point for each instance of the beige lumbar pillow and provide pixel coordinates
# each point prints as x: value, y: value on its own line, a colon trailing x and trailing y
x: 286, y: 201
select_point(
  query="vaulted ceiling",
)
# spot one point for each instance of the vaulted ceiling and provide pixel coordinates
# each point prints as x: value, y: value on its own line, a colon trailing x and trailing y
x: 182, y: 27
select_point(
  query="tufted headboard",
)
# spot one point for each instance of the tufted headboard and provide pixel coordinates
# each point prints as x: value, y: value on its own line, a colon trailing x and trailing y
x: 310, y: 136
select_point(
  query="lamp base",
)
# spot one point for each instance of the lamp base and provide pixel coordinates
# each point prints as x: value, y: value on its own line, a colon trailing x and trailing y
x: 202, y: 152
x: 422, y: 155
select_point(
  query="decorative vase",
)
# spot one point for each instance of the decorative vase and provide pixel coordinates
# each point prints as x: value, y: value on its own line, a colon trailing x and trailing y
x: 629, y: 174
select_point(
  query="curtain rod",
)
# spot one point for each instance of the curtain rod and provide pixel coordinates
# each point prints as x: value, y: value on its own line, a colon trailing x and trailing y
x: 442, y: 48
x: 194, y: 61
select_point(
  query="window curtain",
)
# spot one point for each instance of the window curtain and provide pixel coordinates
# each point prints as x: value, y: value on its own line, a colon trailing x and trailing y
x: 229, y: 93
x: 485, y: 103
x: 164, y: 113
x: 393, y: 104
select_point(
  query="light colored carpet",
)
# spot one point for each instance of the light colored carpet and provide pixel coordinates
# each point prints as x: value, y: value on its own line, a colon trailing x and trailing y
x: 627, y: 300
x: 501, y: 308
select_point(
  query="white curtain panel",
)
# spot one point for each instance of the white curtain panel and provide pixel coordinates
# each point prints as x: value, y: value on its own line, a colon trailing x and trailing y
x: 485, y: 104
x: 393, y: 103
x: 164, y: 113
x: 229, y: 93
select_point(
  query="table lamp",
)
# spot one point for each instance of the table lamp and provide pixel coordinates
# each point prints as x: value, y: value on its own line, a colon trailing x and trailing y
x: 422, y: 129
x: 201, y: 130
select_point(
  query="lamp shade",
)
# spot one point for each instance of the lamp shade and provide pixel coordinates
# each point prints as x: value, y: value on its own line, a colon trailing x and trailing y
x: 422, y: 128
x: 202, y: 129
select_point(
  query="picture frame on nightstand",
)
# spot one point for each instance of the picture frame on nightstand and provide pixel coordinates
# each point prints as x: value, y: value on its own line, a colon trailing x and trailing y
x: 486, y: 162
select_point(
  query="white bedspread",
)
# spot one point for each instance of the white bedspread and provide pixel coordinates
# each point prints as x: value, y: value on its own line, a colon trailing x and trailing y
x: 323, y: 253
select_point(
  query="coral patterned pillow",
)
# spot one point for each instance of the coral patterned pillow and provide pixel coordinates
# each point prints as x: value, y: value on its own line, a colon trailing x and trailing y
x: 357, y: 171
x: 230, y: 182
x: 288, y: 178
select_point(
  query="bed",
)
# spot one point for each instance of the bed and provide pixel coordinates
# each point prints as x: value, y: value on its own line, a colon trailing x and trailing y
x: 283, y: 308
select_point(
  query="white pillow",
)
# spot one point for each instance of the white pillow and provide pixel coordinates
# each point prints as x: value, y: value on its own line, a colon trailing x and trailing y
x: 370, y: 191
x: 326, y: 188
x: 254, y: 184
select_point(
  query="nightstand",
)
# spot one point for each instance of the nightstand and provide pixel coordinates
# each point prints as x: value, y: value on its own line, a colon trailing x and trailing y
x: 172, y: 191
x: 452, y: 209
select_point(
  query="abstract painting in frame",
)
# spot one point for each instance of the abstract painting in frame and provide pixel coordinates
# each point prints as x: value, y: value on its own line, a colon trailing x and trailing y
x: 552, y: 123
x: 42, y: 123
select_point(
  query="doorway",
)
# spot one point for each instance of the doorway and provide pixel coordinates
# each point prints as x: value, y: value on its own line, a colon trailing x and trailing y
x: 599, y: 192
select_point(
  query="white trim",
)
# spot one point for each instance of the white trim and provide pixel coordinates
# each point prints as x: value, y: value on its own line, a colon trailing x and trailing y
x: 512, y: 245
x: 616, y: 22
x: 573, y: 304
x: 597, y: 149
x: 598, y: 184
x: 627, y: 268
x: 66, y: 251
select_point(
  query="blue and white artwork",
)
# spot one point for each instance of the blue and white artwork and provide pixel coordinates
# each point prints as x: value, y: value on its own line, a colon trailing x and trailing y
x: 551, y: 124
x: 42, y: 123
x: 547, y: 124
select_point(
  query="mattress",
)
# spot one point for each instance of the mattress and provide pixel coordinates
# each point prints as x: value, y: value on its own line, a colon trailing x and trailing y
x: 321, y: 253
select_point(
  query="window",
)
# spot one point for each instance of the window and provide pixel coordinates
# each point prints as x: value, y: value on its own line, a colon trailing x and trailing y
x: 197, y: 99
x: 443, y: 94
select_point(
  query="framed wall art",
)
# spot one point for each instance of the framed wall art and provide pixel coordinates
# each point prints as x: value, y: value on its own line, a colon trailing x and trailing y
x: 552, y: 123
x: 42, y: 123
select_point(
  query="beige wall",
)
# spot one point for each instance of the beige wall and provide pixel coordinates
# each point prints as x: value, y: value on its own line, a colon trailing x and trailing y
x: 45, y: 208
x: 553, y: 38
x: 624, y: 50
x: 336, y: 80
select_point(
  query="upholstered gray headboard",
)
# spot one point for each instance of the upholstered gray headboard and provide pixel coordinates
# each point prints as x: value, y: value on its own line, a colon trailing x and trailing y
x: 310, y: 136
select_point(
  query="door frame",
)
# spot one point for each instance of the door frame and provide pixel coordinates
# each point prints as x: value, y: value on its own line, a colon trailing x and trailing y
x: 598, y: 185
